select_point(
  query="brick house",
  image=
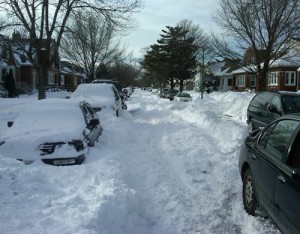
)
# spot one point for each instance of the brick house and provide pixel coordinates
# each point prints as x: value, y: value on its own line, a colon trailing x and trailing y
x: 25, y: 75
x: 70, y: 76
x: 282, y: 73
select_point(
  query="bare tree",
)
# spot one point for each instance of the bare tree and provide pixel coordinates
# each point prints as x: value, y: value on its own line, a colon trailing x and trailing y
x: 124, y: 72
x: 43, y: 22
x: 202, y: 40
x: 89, y: 42
x: 266, y: 26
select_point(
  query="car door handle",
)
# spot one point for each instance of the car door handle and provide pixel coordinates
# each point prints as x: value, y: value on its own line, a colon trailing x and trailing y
x: 281, y: 179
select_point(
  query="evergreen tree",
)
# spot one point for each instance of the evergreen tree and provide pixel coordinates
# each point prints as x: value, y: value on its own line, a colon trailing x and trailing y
x: 173, y: 59
x: 9, y: 84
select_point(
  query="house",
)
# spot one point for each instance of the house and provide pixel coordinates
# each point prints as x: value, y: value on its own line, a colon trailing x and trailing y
x: 283, y: 74
x: 70, y: 76
x: 25, y: 75
x: 244, y: 78
x: 218, y: 74
x: 222, y: 71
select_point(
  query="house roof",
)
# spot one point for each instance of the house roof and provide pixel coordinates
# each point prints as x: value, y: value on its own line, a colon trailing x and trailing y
x: 290, y: 60
x: 224, y: 72
x: 246, y: 69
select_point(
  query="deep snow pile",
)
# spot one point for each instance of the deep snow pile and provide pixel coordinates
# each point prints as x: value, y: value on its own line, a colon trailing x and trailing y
x: 162, y: 167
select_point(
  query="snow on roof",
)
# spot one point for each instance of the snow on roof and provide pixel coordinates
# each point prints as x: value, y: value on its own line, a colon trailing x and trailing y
x: 246, y: 69
x: 3, y: 63
x: 216, y: 67
x: 285, y: 63
x: 223, y: 72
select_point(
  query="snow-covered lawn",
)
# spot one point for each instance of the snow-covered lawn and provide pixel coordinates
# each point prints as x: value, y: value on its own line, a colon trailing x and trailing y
x: 162, y: 167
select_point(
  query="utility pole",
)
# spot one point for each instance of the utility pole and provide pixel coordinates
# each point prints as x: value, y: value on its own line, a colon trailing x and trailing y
x: 202, y: 74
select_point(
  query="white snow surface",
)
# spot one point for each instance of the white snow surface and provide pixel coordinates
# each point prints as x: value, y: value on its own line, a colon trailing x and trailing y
x: 163, y: 167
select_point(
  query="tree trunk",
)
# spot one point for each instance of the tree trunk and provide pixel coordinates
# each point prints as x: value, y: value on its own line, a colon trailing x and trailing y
x: 42, y: 74
x: 181, y: 85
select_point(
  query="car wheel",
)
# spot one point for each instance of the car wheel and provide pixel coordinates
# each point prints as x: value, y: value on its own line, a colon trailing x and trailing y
x: 249, y: 195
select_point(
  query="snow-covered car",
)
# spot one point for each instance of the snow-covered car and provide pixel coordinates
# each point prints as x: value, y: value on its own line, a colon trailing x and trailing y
x: 171, y: 94
x: 56, y: 131
x: 183, y: 97
x: 100, y: 96
x: 118, y: 86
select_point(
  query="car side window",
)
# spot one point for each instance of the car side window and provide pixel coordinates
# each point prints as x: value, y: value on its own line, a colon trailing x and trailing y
x: 115, y: 92
x: 275, y: 140
x: 275, y: 105
x: 291, y: 104
x: 86, y: 113
x: 262, y: 100
x: 91, y: 112
x: 265, y: 135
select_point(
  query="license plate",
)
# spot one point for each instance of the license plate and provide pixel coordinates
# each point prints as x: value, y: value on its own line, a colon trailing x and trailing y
x: 63, y: 161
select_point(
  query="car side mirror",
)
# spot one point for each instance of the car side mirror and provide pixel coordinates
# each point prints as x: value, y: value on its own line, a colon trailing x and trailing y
x: 93, y: 122
x: 86, y: 132
x: 10, y: 123
x: 254, y: 133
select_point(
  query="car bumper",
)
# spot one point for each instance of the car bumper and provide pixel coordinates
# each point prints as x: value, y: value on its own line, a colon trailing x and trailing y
x: 65, y: 161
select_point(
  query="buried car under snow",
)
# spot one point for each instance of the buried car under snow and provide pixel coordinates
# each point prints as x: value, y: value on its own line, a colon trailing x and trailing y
x: 56, y: 131
x: 183, y: 97
x: 100, y: 95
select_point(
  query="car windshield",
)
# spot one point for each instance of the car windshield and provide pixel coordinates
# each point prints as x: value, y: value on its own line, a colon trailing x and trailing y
x: 291, y: 104
x: 173, y: 91
x: 183, y: 95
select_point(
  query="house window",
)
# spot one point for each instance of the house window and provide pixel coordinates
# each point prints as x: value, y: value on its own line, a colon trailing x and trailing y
x: 51, y: 79
x: 3, y: 73
x: 252, y: 81
x: 241, y: 81
x: 272, y: 78
x: 62, y: 80
x: 290, y: 78
x: 230, y: 82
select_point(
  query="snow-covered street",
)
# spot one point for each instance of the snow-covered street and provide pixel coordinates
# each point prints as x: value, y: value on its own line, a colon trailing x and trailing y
x: 162, y: 167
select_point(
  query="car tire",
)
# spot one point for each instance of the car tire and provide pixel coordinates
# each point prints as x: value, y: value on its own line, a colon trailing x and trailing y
x: 249, y: 194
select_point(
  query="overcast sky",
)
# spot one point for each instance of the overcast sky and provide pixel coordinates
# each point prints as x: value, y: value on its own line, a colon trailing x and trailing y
x: 157, y: 14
